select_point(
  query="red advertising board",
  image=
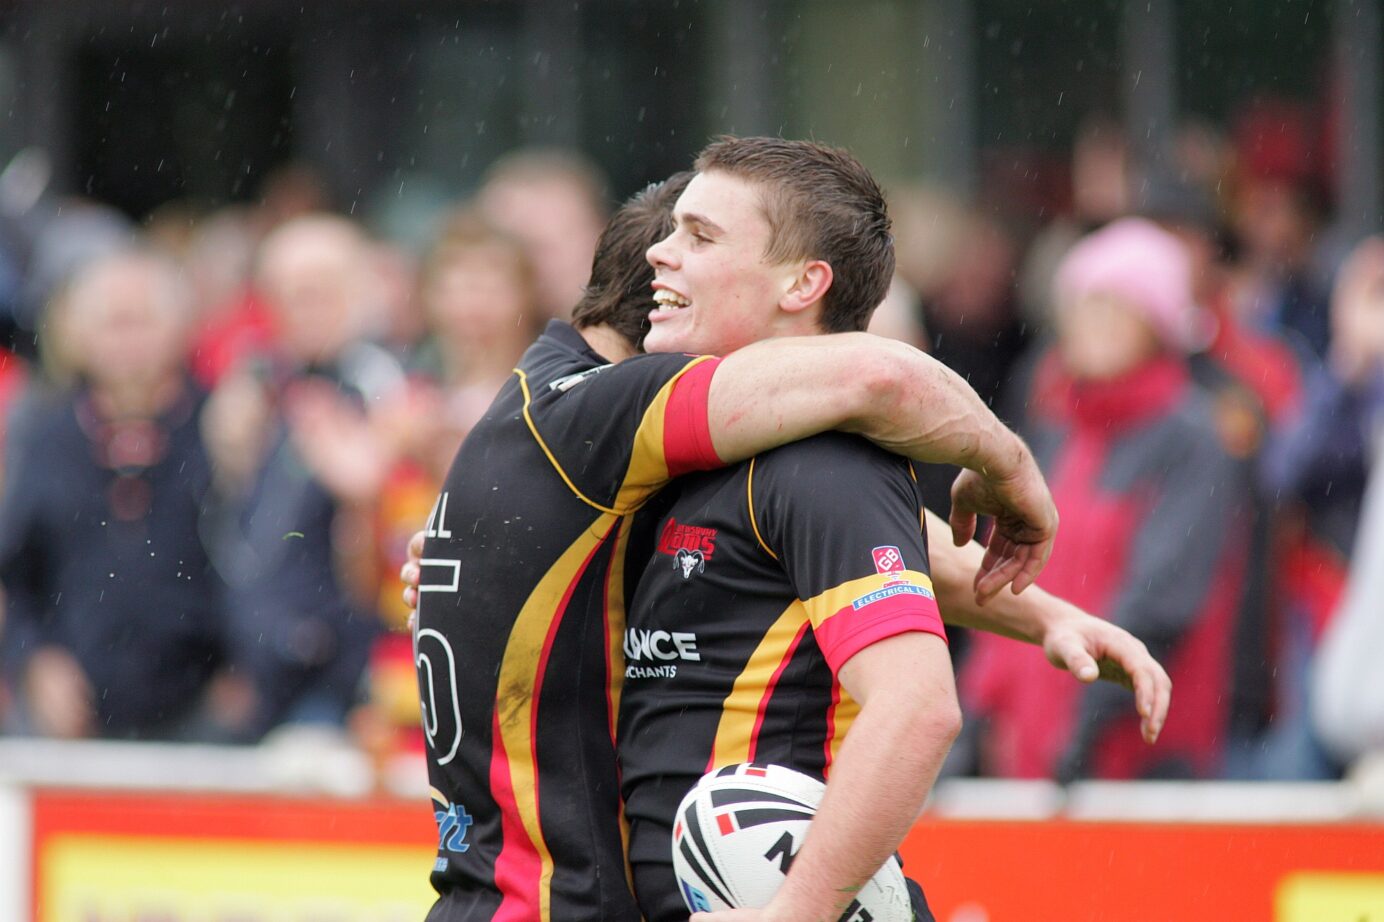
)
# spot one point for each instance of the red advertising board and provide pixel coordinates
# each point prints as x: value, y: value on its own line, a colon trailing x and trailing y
x: 178, y: 858
x: 1004, y: 871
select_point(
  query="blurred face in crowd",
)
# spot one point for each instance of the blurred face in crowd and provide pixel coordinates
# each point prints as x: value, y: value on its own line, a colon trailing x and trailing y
x: 1357, y: 313
x: 558, y: 225
x: 1102, y: 336
x: 1100, y: 175
x: 478, y: 295
x: 219, y: 258
x: 128, y: 319
x: 714, y: 292
x: 1208, y: 272
x: 899, y: 317
x: 394, y: 273
x: 314, y: 274
x: 1272, y: 219
x: 974, y: 298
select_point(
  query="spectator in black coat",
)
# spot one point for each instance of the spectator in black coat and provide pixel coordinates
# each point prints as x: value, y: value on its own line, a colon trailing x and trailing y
x: 113, y: 621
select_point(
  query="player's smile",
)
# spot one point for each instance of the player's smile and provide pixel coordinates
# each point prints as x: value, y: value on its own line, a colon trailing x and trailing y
x: 667, y: 303
x: 713, y: 291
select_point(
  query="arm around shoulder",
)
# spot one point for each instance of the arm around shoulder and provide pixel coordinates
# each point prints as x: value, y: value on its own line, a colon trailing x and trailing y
x: 782, y: 390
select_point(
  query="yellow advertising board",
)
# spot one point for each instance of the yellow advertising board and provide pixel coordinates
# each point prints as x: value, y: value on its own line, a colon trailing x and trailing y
x: 125, y: 879
x: 176, y: 858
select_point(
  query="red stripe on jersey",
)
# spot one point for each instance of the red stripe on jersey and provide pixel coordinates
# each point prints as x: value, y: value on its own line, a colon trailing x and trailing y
x: 686, y: 430
x: 769, y: 689
x: 847, y: 632
x: 831, y: 727
x: 519, y: 867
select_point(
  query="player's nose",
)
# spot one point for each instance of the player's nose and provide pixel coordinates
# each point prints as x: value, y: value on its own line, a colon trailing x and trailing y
x: 663, y: 255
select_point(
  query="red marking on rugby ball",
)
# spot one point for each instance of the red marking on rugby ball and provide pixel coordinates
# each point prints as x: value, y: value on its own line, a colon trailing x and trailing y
x: 724, y: 822
x: 757, y: 772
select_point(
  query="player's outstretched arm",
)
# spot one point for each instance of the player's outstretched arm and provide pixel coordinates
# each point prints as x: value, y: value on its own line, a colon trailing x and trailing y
x: 908, y: 719
x: 1080, y: 643
x: 782, y: 390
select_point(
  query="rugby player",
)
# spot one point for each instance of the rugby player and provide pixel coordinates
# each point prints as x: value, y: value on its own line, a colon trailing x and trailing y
x: 796, y: 584
x: 613, y: 311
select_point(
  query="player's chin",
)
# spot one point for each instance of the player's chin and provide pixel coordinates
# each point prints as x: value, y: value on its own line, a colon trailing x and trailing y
x: 671, y: 335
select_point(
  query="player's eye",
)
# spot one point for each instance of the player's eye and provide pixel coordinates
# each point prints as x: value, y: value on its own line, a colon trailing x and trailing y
x: 700, y: 238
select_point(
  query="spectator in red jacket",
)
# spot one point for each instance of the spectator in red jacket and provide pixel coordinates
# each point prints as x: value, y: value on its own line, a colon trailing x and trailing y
x: 1153, y: 519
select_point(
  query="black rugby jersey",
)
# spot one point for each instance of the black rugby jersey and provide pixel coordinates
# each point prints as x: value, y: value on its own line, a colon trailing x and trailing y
x: 765, y: 579
x: 520, y: 623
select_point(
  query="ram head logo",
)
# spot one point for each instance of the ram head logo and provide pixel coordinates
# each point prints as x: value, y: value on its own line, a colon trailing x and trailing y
x: 689, y: 562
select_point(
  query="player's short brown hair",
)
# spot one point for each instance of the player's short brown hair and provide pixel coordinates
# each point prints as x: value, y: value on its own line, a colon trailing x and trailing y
x: 619, y: 294
x: 821, y: 203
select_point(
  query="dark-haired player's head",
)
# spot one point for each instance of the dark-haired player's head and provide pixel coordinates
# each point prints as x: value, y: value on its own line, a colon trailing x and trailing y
x: 770, y: 238
x: 617, y: 296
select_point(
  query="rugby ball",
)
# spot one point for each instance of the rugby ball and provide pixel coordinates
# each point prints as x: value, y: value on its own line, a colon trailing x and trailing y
x: 736, y: 835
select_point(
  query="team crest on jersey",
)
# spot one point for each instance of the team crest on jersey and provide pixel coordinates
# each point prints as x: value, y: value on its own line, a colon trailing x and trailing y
x: 690, y: 546
x: 888, y: 560
x: 689, y: 562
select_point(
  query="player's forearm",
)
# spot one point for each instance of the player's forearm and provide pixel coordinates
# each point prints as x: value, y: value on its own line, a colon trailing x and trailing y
x: 782, y: 390
x: 919, y: 408
x: 879, y: 782
x: 1025, y: 617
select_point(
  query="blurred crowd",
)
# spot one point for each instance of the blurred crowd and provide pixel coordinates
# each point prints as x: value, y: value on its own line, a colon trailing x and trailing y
x: 222, y: 426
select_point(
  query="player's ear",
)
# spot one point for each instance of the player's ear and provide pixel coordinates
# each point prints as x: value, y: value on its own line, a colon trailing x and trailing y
x: 807, y: 287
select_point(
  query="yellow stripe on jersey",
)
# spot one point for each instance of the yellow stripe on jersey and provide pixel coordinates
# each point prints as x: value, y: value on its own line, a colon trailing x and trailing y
x: 514, y: 697
x: 615, y: 657
x: 740, y: 708
x: 615, y: 618
x: 648, y: 470
x: 821, y: 608
x: 749, y: 504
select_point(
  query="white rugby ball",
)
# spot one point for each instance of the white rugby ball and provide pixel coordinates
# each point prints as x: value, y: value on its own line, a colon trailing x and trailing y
x: 737, y: 832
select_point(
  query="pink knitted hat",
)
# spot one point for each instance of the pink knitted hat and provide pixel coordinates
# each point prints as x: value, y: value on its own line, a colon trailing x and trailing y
x: 1142, y: 264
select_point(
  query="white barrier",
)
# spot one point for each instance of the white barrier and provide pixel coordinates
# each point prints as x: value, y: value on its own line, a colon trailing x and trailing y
x: 15, y: 867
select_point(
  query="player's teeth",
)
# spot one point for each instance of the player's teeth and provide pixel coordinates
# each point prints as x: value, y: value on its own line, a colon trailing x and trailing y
x: 669, y: 301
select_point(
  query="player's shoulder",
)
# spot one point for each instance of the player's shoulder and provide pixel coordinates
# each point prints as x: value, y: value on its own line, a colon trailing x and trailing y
x: 829, y: 454
x: 831, y: 468
x: 561, y: 362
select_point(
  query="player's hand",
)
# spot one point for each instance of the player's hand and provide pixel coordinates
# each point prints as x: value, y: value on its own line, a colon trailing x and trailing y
x: 411, y: 572
x: 1025, y: 526
x: 1091, y: 648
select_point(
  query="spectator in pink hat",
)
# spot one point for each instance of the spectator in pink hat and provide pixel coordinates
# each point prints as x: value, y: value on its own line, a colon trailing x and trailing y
x: 1153, y: 515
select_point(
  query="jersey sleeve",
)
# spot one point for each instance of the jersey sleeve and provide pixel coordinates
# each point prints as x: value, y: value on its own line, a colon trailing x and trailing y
x: 844, y: 520
x: 619, y: 433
